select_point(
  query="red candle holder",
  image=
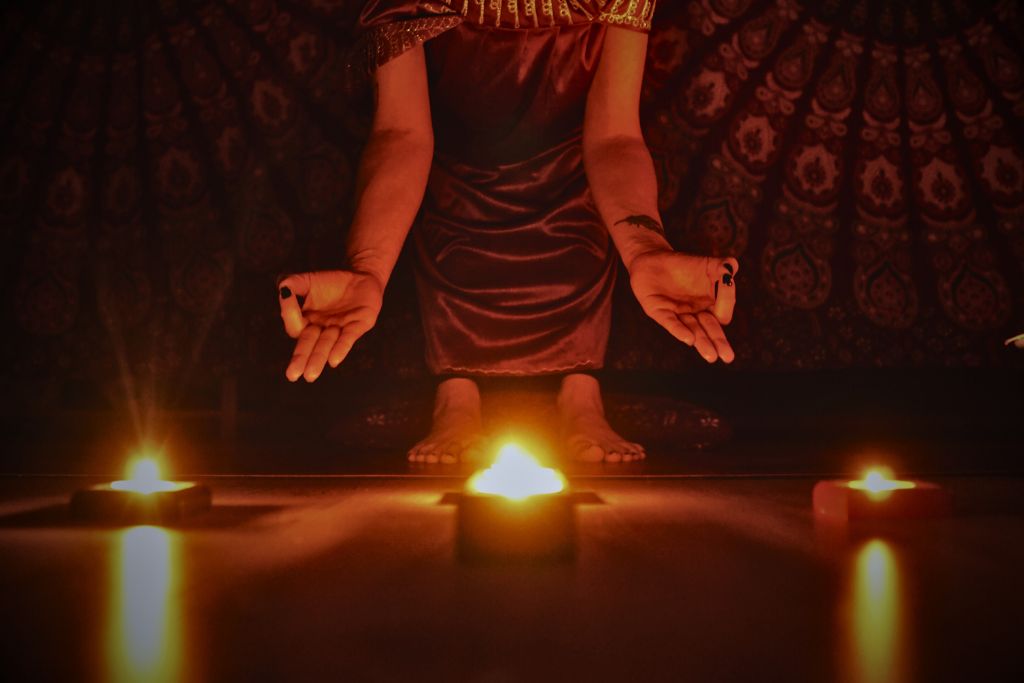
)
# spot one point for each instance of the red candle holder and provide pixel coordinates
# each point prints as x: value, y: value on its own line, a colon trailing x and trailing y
x: 877, y: 496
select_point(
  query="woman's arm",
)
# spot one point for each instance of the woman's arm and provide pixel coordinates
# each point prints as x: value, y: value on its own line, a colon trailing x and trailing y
x: 690, y: 296
x: 394, y: 167
x: 342, y: 305
x: 616, y: 158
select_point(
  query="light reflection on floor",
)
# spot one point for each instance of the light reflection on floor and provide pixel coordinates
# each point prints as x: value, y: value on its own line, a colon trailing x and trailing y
x: 875, y: 645
x: 144, y: 638
x: 296, y: 577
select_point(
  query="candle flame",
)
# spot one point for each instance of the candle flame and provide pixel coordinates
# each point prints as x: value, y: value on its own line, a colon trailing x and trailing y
x: 144, y: 477
x: 516, y: 475
x: 879, y: 480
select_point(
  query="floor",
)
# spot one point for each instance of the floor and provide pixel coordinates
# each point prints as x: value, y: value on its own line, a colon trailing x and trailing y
x: 676, y: 578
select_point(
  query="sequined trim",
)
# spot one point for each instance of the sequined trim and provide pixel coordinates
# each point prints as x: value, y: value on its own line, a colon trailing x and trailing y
x: 383, y: 43
x: 635, y: 14
x: 630, y: 13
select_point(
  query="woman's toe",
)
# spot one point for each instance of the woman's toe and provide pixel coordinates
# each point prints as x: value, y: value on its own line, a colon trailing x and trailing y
x: 590, y: 452
x: 450, y: 453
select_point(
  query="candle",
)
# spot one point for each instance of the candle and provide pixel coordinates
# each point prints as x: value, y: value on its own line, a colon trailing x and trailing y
x: 142, y: 497
x: 878, y: 483
x: 516, y: 509
x: 144, y: 478
x: 516, y: 475
x: 878, y: 495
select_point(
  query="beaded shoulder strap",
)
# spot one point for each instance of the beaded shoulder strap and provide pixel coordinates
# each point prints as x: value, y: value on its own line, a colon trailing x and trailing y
x: 382, y: 43
x: 634, y: 14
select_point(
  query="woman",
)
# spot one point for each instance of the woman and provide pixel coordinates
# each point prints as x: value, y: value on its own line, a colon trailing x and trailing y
x: 519, y: 120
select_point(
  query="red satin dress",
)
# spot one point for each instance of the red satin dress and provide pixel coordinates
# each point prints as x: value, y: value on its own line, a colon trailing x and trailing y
x: 514, y: 267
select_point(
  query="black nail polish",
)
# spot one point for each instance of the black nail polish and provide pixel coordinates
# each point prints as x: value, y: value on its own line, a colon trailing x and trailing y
x: 285, y: 292
x: 727, y: 279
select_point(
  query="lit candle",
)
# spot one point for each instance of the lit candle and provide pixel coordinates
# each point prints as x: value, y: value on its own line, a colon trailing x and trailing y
x: 516, y: 509
x: 143, y: 496
x: 516, y: 475
x: 877, y: 482
x: 144, y: 478
x: 878, y: 495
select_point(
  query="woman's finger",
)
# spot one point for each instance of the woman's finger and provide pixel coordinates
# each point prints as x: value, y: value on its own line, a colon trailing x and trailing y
x: 307, y: 340
x: 343, y: 319
x: 701, y: 342
x: 318, y: 357
x: 676, y: 328
x: 288, y: 292
x: 347, y: 338
x: 717, y: 336
x: 725, y: 294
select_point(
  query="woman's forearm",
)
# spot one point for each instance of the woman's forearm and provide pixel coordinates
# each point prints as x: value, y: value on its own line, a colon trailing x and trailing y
x: 392, y: 178
x: 625, y: 188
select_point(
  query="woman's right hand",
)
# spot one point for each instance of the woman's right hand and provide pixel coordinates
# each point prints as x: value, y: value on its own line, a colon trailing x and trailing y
x: 339, y: 307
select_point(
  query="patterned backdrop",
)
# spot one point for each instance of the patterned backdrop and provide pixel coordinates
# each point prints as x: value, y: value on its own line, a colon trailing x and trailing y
x: 165, y: 161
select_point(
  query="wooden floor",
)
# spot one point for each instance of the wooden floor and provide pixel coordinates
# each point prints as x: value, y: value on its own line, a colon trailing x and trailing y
x: 354, y: 578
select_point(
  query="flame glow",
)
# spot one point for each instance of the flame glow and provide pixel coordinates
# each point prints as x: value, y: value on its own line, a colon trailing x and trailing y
x: 144, y: 637
x: 144, y: 477
x: 878, y: 481
x: 875, y: 648
x: 516, y: 475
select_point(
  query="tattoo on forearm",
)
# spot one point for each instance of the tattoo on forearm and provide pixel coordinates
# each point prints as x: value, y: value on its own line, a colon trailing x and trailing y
x: 643, y: 222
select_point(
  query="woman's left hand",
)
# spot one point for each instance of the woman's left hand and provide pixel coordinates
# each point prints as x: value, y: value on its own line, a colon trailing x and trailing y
x: 690, y: 296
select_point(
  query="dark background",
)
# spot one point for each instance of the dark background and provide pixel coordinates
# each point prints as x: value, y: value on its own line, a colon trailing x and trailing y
x: 163, y: 162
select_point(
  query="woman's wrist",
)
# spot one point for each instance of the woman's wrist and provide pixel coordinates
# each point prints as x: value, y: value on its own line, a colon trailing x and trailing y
x: 637, y: 235
x: 637, y: 249
x: 370, y: 267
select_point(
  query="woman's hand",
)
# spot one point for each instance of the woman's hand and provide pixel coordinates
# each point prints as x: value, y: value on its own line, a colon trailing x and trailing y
x: 690, y: 296
x: 340, y: 306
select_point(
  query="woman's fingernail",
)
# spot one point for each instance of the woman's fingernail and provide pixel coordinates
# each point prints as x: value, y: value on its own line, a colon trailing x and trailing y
x: 285, y: 292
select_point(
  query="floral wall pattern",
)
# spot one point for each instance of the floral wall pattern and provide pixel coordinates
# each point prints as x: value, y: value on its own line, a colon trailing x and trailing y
x: 163, y: 162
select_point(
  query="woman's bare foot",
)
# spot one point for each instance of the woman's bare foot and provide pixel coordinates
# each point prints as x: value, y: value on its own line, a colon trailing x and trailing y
x: 456, y: 434
x: 588, y: 435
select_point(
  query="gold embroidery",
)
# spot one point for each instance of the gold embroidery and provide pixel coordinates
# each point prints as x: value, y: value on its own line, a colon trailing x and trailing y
x: 635, y: 14
x: 383, y: 43
x: 583, y: 10
x: 531, y: 11
x: 632, y: 15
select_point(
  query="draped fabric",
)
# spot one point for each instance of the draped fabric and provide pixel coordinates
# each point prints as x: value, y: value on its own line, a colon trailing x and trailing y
x: 163, y: 162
